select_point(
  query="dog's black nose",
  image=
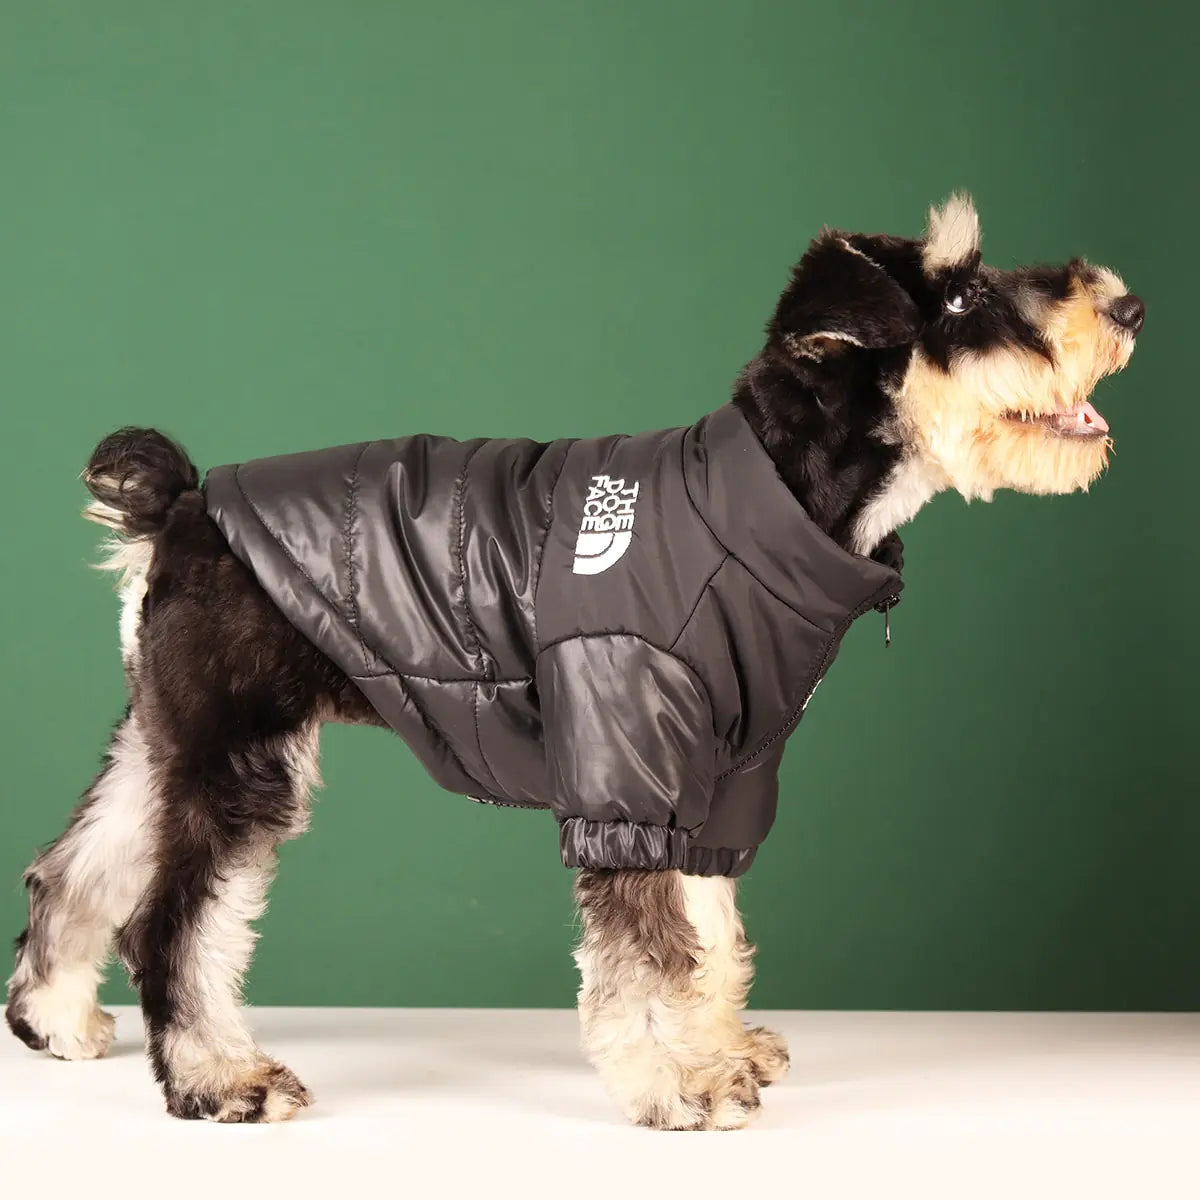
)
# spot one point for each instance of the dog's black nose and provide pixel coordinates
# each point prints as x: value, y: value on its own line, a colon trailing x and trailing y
x: 1129, y: 312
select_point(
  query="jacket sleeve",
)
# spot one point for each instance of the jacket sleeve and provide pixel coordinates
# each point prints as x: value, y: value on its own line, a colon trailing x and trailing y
x: 630, y: 751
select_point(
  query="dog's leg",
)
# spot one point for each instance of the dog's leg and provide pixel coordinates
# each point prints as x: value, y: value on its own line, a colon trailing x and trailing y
x: 727, y: 963
x: 189, y: 944
x: 665, y: 968
x: 80, y: 890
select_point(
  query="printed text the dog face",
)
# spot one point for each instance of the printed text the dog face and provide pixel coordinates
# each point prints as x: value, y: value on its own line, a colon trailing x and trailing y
x: 606, y: 529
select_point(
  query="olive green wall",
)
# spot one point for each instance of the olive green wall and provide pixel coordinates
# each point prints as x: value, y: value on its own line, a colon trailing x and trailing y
x: 277, y: 225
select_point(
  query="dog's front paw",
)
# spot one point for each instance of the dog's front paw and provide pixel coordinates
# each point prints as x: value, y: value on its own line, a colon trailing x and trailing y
x: 721, y: 1096
x: 266, y: 1093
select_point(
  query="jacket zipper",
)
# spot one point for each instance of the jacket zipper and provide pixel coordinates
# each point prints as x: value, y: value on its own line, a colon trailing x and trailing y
x: 488, y: 800
x: 796, y: 713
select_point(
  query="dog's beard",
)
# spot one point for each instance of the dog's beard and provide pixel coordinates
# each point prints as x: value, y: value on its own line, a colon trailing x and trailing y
x: 1015, y: 418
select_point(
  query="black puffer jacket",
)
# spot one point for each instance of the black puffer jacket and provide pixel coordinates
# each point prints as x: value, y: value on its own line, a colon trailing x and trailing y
x: 623, y: 629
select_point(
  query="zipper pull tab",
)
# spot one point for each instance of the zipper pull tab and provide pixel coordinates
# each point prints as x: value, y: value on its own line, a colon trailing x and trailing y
x: 885, y: 607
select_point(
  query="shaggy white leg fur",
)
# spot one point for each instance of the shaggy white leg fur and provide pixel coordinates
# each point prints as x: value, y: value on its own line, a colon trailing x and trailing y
x: 726, y: 972
x: 668, y: 1039
x: 213, y: 1054
x: 82, y: 889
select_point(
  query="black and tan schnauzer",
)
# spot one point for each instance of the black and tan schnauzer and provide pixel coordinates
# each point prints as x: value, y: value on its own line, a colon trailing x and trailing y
x: 623, y: 630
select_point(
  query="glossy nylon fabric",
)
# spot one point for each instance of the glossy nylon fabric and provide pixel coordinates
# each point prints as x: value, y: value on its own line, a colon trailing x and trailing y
x: 639, y: 681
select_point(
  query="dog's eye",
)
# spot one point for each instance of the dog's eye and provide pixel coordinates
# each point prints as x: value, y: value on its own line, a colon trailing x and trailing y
x: 956, y: 301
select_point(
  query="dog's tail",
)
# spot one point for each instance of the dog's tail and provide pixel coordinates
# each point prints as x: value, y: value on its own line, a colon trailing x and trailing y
x: 135, y: 476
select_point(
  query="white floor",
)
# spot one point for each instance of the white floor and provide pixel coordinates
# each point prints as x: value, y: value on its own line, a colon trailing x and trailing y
x: 498, y: 1103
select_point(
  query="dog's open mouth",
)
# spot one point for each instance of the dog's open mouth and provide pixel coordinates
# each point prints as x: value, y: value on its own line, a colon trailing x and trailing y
x: 1082, y: 420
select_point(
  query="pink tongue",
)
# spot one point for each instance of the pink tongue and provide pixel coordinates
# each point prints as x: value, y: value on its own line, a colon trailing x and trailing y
x: 1084, y: 418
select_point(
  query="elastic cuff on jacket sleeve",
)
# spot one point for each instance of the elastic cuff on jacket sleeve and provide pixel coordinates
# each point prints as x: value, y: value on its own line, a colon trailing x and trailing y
x: 706, y: 860
x: 620, y: 845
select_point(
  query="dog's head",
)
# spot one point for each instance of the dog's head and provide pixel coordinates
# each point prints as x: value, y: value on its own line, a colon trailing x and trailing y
x: 985, y: 373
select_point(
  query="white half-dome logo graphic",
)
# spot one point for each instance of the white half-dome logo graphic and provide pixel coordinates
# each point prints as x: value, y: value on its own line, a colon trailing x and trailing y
x: 607, y: 526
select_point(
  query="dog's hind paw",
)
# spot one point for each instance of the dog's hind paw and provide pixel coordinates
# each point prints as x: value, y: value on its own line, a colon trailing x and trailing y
x: 68, y: 1031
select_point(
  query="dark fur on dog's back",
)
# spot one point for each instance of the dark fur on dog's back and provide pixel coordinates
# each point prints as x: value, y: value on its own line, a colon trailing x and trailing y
x: 138, y: 473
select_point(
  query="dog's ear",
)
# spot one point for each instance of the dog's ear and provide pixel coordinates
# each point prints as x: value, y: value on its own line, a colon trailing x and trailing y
x: 952, y: 237
x: 840, y: 298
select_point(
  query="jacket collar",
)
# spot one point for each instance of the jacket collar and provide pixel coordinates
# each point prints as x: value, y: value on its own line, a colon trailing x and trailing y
x: 739, y: 495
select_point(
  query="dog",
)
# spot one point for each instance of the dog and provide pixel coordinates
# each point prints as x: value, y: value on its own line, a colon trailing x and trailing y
x: 624, y: 630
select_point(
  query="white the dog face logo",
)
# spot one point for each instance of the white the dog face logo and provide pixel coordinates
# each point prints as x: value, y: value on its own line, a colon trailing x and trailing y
x: 607, y: 526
